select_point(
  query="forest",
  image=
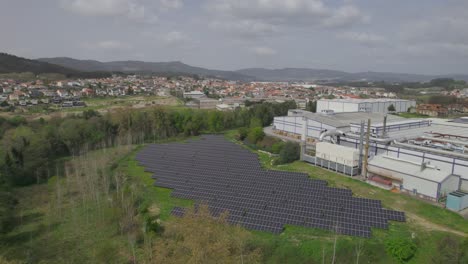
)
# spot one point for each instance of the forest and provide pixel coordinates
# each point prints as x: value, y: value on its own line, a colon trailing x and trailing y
x: 30, y: 150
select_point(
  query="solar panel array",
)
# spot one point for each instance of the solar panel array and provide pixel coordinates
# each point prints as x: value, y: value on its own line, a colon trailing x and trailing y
x: 225, y: 176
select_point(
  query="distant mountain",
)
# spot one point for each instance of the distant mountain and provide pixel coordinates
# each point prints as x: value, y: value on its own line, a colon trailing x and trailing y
x: 303, y: 74
x: 293, y: 74
x: 148, y: 67
x: 250, y: 74
x: 13, y: 64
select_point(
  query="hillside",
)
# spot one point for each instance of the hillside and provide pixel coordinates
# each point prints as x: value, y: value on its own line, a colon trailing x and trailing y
x: 293, y: 74
x: 148, y: 67
x: 13, y: 64
x: 304, y: 74
x: 249, y: 74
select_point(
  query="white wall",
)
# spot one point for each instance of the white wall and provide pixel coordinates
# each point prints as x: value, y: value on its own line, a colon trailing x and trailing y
x: 464, y: 185
x: 450, y: 184
x: 295, y: 124
x: 375, y: 107
x: 337, y: 107
x: 410, y: 183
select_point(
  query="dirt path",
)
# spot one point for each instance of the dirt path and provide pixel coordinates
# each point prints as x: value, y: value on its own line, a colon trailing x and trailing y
x: 431, y: 226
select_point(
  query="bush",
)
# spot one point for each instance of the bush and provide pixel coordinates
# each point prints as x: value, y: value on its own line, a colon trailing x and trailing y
x: 266, y: 143
x: 451, y: 250
x: 255, y: 134
x: 290, y: 152
x: 243, y: 132
x: 277, y: 147
x: 400, y: 248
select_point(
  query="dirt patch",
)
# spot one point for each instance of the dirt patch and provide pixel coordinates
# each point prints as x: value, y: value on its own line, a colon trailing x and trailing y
x: 431, y: 226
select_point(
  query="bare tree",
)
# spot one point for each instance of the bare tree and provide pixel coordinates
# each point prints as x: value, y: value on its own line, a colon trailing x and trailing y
x: 334, y: 243
x: 358, y: 250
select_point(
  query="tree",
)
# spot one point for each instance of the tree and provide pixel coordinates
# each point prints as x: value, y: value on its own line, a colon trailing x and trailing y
x: 391, y: 108
x: 243, y: 133
x: 198, y: 237
x: 401, y: 248
x: 7, y: 203
x: 312, y: 106
x: 289, y: 153
x: 255, y: 134
x: 87, y: 114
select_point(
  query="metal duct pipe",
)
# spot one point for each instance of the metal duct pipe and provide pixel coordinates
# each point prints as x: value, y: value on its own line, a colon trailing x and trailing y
x: 372, y: 139
x: 447, y: 140
x: 331, y: 134
x: 384, y: 132
x: 425, y: 149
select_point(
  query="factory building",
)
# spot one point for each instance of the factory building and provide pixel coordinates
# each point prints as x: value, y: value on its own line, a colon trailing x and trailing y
x: 421, y: 179
x: 363, y: 105
x: 408, y: 145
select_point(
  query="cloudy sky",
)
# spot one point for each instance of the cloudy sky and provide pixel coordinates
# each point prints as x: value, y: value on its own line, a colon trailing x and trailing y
x: 417, y: 36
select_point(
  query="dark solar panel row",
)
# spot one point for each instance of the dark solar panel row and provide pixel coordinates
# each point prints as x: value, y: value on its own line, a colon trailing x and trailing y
x: 230, y: 178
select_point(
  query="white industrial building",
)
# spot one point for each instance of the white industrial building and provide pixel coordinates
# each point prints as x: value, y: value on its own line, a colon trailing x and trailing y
x: 194, y: 94
x: 408, y: 143
x: 363, y: 105
x: 421, y: 179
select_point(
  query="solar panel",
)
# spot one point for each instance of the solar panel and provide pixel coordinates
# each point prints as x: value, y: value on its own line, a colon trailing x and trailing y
x: 230, y: 178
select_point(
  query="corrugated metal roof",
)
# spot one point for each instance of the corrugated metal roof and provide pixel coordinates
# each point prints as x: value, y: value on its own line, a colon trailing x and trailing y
x: 409, y: 167
x: 370, y: 100
x: 434, y: 128
x: 340, y: 120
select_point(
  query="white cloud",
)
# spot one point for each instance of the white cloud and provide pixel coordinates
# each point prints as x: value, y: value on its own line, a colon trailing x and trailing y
x: 247, y: 15
x: 171, y: 4
x: 175, y: 38
x: 131, y: 9
x: 445, y: 34
x: 345, y: 15
x: 367, y: 39
x: 107, y: 45
x: 264, y: 51
x: 246, y: 28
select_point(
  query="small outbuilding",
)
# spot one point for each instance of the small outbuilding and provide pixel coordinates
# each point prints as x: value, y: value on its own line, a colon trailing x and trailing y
x: 457, y: 200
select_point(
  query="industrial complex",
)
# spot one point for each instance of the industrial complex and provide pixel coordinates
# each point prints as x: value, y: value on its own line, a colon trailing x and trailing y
x: 381, y: 105
x: 422, y: 157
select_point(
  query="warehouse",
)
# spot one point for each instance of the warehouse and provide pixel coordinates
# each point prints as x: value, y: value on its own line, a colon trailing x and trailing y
x: 363, y: 105
x: 440, y: 142
x: 421, y: 179
x: 317, y: 123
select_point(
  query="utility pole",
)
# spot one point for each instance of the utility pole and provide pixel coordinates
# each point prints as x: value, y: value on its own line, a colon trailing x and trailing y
x: 304, y: 138
x: 361, y: 145
x: 366, y: 152
x: 384, y: 132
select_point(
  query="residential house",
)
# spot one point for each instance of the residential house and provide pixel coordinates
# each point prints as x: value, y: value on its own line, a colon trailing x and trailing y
x: 433, y: 110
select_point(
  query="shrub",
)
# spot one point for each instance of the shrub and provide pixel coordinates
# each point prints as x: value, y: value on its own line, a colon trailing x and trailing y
x: 400, y: 248
x: 255, y: 134
x: 243, y: 132
x: 289, y: 153
x: 277, y: 147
